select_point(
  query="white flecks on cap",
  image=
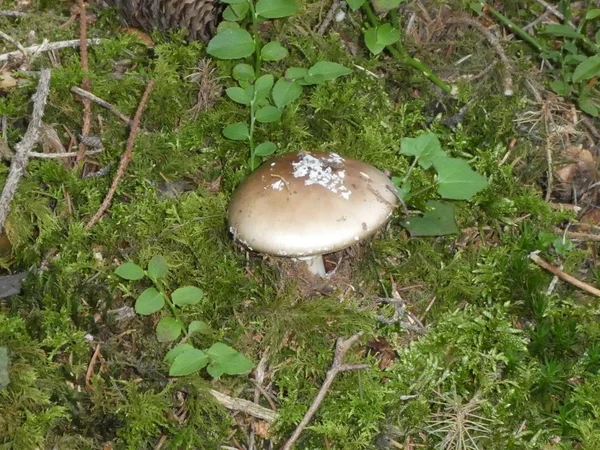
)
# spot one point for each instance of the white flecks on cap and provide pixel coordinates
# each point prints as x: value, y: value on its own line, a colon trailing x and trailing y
x: 278, y: 185
x: 322, y: 174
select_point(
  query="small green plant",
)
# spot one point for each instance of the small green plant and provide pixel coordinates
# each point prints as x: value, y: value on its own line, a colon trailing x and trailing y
x: 264, y: 94
x: 184, y: 358
x: 387, y: 35
x: 455, y: 181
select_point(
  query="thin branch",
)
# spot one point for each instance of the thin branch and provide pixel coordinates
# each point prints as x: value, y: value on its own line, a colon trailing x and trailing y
x: 583, y: 236
x: 23, y: 148
x: 61, y: 155
x: 341, y: 348
x: 564, y: 276
x: 328, y: 18
x: 246, y: 406
x: 17, y: 44
x: 78, y: 91
x: 12, y: 14
x: 86, y: 82
x: 125, y: 158
x: 18, y: 56
x: 495, y: 43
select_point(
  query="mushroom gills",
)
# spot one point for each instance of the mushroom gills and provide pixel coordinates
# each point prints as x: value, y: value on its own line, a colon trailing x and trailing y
x: 315, y: 264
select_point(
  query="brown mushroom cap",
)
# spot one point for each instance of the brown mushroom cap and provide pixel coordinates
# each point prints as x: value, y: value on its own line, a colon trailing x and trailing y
x: 310, y: 203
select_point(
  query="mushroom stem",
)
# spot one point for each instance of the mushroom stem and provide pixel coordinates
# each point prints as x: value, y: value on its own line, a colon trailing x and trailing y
x: 315, y: 264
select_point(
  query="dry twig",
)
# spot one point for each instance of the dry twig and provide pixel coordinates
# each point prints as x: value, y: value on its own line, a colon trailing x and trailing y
x: 17, y: 56
x: 90, y: 370
x: 12, y: 14
x: 125, y: 158
x: 495, y: 43
x: 86, y: 83
x: 82, y: 93
x: 23, y: 148
x: 40, y: 155
x: 328, y: 18
x: 239, y: 404
x: 341, y: 348
x: 564, y: 276
x: 17, y: 44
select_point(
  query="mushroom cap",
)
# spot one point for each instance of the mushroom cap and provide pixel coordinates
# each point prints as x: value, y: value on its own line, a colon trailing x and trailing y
x: 310, y: 203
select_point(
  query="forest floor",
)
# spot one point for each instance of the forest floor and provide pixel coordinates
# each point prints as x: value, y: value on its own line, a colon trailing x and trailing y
x: 468, y: 341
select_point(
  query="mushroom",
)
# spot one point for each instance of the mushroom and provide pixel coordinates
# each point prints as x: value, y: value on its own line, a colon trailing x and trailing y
x: 307, y: 204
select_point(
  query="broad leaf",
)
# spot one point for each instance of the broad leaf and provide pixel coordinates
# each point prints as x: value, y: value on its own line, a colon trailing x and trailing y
x: 176, y: 351
x: 149, y: 302
x: 187, y: 295
x: 438, y: 220
x: 587, y: 69
x: 265, y: 149
x: 426, y: 148
x: 326, y: 71
x: 243, y: 71
x: 157, y: 267
x: 561, y: 87
x: 592, y: 14
x: 232, y: 14
x: 386, y: 5
x: 231, y: 44
x: 562, y: 30
x: 188, y: 362
x: 273, y: 51
x: 263, y: 86
x: 268, y: 114
x: 228, y: 24
x: 387, y: 35
x: 355, y: 4
x: 371, y: 42
x: 237, y: 131
x: 275, y: 9
x: 586, y: 103
x: 168, y: 329
x: 238, y: 95
x: 295, y: 73
x: 226, y: 360
x: 130, y: 271
x: 285, y: 92
x: 456, y: 179
x: 198, y: 326
x: 234, y: 2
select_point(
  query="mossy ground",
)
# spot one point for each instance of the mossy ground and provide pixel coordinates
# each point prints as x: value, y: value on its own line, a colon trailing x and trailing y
x: 502, y: 360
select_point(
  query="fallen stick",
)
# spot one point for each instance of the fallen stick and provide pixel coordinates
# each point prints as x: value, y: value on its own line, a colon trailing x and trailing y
x: 16, y: 43
x: 564, y: 276
x: 86, y: 83
x: 341, y: 348
x: 17, y: 55
x: 78, y: 91
x: 23, y: 148
x: 61, y: 155
x: 125, y: 158
x: 239, y: 404
x: 12, y: 14
x: 583, y: 236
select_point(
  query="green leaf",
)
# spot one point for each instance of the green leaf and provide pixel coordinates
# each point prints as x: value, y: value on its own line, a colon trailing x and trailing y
x: 268, y: 114
x: 263, y: 86
x: 231, y: 44
x: 326, y: 71
x: 438, y: 220
x: 456, y: 179
x: 386, y: 5
x: 130, y: 271
x: 243, y: 72
x: 426, y: 148
x: 403, y: 188
x: 285, y: 92
x: 295, y: 73
x: 168, y: 329
x: 273, y: 51
x: 149, y: 302
x: 187, y: 295
x: 563, y: 31
x: 586, y: 103
x: 355, y: 4
x: 198, y: 326
x: 592, y: 14
x: 276, y: 9
x: 587, y: 69
x: 237, y: 131
x: 188, y: 362
x: 371, y: 41
x: 176, y: 351
x: 226, y: 24
x: 157, y: 267
x: 561, y: 87
x: 387, y: 35
x: 238, y: 95
x: 226, y: 360
x: 265, y: 149
x: 234, y: 2
x: 4, y: 378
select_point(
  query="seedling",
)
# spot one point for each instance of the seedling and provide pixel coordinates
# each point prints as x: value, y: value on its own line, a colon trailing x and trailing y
x: 184, y: 358
x: 455, y: 181
x: 264, y: 94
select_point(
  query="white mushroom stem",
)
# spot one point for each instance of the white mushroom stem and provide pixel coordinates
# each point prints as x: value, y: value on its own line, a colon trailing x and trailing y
x: 315, y: 264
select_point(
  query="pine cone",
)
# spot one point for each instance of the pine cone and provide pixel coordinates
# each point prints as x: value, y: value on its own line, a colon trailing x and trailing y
x: 199, y: 17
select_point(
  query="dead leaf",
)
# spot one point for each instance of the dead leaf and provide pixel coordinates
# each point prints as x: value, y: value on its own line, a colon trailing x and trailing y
x: 7, y: 81
x: 140, y: 34
x: 261, y: 428
x: 51, y: 143
x: 384, y: 350
x: 576, y: 173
